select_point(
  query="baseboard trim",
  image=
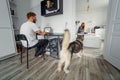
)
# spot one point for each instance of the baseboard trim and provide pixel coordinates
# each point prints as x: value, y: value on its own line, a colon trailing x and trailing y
x: 8, y: 56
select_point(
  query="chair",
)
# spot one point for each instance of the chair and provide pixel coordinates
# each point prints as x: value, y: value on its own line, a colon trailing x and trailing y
x: 20, y: 37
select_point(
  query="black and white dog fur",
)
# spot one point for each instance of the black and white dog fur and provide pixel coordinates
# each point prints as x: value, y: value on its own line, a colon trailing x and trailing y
x: 68, y: 49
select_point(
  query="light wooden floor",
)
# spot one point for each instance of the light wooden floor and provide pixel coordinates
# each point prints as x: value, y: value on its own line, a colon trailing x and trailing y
x: 91, y: 66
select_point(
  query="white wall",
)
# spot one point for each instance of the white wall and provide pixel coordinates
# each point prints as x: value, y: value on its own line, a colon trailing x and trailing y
x: 57, y: 22
x: 91, y: 19
x: 23, y: 7
x: 97, y: 14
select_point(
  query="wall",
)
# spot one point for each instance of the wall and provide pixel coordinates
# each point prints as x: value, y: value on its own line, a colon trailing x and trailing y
x: 23, y: 7
x: 97, y: 14
x: 58, y: 22
x: 95, y: 18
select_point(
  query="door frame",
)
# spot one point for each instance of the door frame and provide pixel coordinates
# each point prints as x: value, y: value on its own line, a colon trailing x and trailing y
x: 109, y: 34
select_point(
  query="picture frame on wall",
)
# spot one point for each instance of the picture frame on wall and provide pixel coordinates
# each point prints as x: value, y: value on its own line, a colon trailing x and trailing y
x: 51, y: 7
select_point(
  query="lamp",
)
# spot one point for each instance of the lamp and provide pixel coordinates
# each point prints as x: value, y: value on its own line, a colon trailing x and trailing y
x: 88, y: 7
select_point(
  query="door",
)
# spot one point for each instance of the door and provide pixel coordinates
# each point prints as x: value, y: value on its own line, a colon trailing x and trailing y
x: 5, y: 21
x: 112, y: 42
x: 6, y: 43
x: 7, y: 40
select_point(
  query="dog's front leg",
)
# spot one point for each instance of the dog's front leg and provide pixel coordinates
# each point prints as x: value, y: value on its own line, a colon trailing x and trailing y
x: 82, y: 51
x: 67, y: 63
x: 60, y: 63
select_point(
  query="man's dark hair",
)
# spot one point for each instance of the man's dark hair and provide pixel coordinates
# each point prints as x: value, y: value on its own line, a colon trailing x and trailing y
x: 29, y: 14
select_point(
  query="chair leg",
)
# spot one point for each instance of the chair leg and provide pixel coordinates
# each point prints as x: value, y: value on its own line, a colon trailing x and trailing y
x: 43, y: 56
x: 27, y: 60
x: 21, y: 54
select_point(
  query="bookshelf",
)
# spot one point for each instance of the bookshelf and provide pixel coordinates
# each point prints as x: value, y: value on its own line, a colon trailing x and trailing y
x: 14, y: 16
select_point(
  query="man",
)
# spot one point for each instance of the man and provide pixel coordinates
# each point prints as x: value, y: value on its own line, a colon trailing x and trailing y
x: 29, y: 29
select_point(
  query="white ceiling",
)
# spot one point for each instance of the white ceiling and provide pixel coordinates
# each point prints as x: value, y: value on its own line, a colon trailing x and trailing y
x: 81, y: 5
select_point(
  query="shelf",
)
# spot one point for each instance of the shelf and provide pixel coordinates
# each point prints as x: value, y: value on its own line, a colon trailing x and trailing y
x: 13, y: 11
x: 12, y: 3
x: 15, y: 17
x: 17, y: 29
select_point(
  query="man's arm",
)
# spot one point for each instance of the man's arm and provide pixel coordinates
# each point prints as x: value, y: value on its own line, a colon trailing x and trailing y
x: 40, y: 32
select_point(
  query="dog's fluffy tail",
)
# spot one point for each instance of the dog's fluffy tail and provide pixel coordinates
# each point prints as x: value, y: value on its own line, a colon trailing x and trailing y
x: 66, y: 39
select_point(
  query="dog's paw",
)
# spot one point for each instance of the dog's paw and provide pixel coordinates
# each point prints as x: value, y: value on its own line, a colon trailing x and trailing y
x: 79, y: 55
x: 66, y: 71
x: 83, y: 52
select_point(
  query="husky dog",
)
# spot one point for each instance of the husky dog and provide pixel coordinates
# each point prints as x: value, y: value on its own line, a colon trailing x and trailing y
x: 77, y: 45
x: 67, y: 50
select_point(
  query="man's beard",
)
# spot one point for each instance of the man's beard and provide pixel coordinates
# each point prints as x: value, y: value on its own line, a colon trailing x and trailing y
x: 34, y: 21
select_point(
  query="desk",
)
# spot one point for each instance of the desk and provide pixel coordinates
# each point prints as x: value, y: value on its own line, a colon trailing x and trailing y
x: 57, y: 37
x: 92, y: 41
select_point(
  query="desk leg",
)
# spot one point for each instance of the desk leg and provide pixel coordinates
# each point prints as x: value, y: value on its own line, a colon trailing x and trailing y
x: 50, y: 50
x: 46, y: 37
x: 58, y: 45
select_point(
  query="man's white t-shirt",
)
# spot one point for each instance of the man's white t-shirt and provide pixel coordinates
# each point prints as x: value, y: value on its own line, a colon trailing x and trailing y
x: 28, y: 29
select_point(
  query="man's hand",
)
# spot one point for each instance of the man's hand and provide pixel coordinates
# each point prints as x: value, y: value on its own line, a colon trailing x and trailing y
x: 43, y: 33
x: 40, y: 32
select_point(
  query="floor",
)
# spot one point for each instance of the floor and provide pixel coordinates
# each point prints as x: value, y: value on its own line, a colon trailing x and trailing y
x: 91, y: 66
